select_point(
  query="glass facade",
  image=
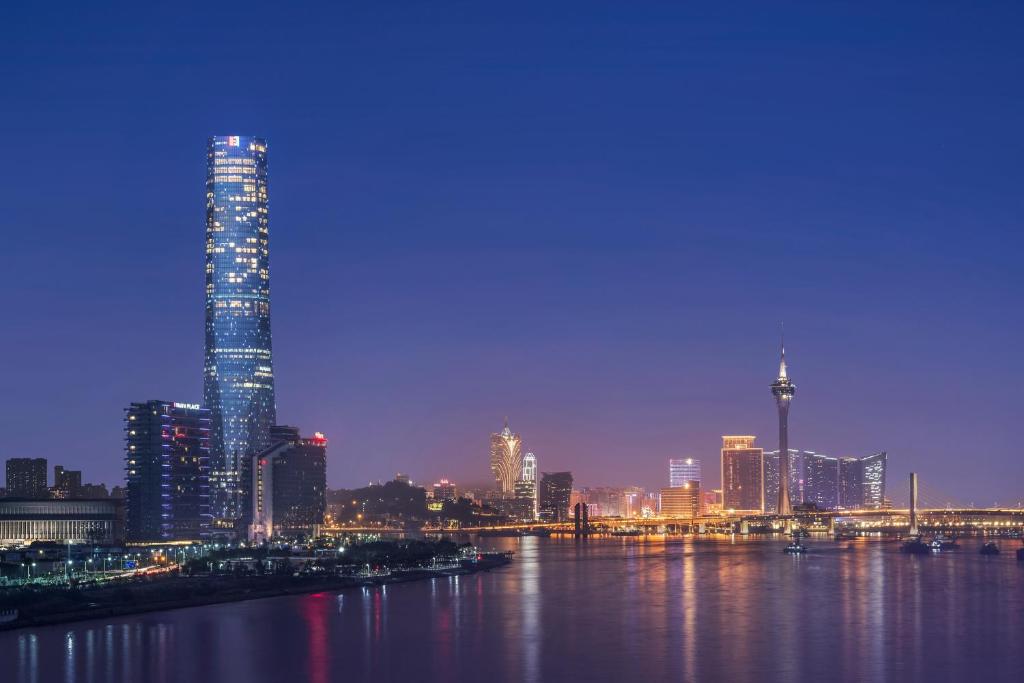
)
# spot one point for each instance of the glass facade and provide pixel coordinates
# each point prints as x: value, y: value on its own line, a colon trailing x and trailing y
x: 822, y: 481
x: 682, y: 470
x: 238, y: 385
x: 851, y: 484
x: 555, y: 492
x: 873, y: 480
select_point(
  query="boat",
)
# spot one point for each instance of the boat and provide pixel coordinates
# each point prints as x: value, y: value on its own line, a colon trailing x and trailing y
x: 795, y: 547
x: 8, y: 615
x: 915, y: 546
x: 941, y: 542
x: 990, y: 548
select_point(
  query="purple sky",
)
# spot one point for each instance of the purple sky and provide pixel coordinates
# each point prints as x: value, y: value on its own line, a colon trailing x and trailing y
x: 589, y: 218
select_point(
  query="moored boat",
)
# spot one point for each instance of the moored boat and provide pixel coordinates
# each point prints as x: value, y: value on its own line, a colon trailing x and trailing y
x: 915, y: 546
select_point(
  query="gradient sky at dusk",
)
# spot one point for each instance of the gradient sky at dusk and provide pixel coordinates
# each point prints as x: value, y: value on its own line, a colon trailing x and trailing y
x: 588, y: 216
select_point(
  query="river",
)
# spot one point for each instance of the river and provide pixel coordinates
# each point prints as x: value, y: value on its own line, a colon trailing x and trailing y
x: 614, y: 609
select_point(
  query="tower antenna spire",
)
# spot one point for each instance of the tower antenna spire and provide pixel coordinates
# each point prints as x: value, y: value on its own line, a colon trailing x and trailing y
x: 782, y: 346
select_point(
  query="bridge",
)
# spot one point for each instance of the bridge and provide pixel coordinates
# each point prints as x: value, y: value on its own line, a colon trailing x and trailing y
x: 952, y: 521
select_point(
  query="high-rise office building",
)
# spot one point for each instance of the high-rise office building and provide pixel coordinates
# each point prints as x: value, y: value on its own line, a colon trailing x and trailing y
x: 681, y: 501
x: 851, y: 484
x: 783, y: 390
x: 682, y: 470
x: 289, y: 485
x: 167, y: 466
x: 555, y: 492
x: 26, y: 478
x: 742, y: 474
x: 238, y: 377
x: 66, y: 483
x: 506, y: 459
x: 873, y: 480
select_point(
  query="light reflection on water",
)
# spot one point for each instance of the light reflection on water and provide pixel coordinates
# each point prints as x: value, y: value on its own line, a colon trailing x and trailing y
x: 598, y: 609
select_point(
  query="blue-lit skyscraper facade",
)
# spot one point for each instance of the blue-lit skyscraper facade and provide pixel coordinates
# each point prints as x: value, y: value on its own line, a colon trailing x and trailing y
x: 167, y: 471
x: 238, y: 385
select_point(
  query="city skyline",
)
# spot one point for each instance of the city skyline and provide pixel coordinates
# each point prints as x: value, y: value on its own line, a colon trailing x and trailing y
x: 611, y: 262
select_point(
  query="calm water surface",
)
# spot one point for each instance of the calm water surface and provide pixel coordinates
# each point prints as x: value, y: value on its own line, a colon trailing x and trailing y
x: 602, y: 609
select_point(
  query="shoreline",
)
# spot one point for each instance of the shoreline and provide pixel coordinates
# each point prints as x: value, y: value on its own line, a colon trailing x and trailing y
x: 247, y: 588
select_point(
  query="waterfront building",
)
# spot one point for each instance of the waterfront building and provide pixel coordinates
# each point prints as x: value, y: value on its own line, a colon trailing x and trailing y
x: 403, y: 478
x: 554, y: 494
x: 711, y: 502
x: 681, y: 501
x: 63, y: 521
x: 524, y: 502
x: 771, y: 479
x: 445, y: 490
x: 167, y: 470
x: 651, y: 504
x: 742, y: 474
x: 632, y: 501
x: 821, y: 476
x: 682, y: 470
x: 525, y: 490
x: 783, y: 390
x: 603, y: 501
x: 851, y: 484
x: 289, y: 485
x: 238, y: 378
x: 66, y: 483
x: 26, y: 478
x: 506, y: 459
x: 873, y: 480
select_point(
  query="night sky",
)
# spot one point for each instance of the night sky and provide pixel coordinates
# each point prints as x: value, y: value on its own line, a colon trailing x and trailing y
x: 588, y: 216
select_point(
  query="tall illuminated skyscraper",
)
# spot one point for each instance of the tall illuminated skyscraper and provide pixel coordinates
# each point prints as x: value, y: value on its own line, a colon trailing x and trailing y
x: 783, y: 390
x: 238, y: 377
x: 742, y: 474
x: 506, y: 459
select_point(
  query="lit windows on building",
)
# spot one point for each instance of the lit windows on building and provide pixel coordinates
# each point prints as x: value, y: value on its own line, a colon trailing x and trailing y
x: 238, y: 376
x: 682, y: 470
x: 506, y: 459
x: 167, y: 467
x: 742, y: 474
x: 554, y: 495
x: 873, y: 480
x: 288, y: 492
x: 681, y: 501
